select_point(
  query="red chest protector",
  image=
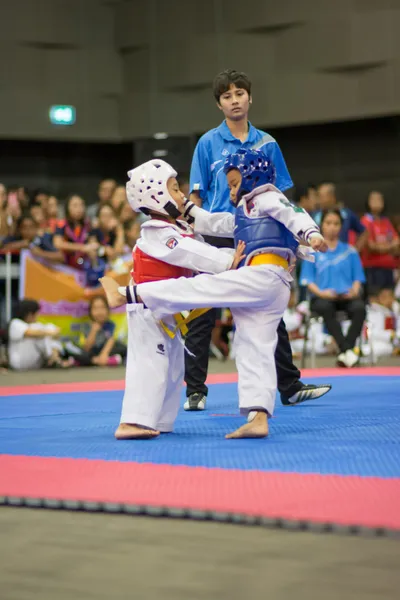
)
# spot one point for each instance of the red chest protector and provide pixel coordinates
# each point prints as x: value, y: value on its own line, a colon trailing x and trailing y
x: 146, y: 268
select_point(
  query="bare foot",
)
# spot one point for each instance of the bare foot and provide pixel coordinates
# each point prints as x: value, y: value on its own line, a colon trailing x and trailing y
x: 257, y: 428
x: 110, y: 287
x: 127, y: 431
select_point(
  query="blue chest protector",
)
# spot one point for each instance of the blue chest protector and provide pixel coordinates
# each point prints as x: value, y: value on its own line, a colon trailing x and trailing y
x: 262, y: 233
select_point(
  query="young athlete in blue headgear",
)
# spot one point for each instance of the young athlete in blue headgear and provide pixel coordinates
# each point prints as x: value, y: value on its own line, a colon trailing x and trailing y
x: 258, y: 292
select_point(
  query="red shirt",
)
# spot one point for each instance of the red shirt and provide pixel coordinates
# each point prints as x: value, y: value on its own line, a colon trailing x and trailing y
x: 380, y: 231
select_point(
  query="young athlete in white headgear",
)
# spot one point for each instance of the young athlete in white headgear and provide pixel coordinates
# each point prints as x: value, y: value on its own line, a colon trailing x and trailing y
x: 271, y: 227
x: 167, y: 249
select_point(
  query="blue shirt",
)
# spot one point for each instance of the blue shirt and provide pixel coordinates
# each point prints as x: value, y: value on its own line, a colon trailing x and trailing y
x: 350, y: 223
x: 335, y: 270
x: 207, y: 174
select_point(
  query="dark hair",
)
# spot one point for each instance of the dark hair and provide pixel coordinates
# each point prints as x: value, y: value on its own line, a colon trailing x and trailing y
x: 26, y: 307
x: 25, y: 217
x: 367, y: 206
x: 301, y: 191
x: 94, y: 299
x: 108, y: 205
x: 225, y: 79
x: 67, y: 213
x: 331, y: 211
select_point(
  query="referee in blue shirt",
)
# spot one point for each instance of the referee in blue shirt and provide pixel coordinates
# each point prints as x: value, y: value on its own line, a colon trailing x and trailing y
x: 209, y: 189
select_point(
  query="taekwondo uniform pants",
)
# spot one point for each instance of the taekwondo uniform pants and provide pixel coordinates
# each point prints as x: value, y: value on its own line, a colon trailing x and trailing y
x: 154, y: 372
x: 257, y: 297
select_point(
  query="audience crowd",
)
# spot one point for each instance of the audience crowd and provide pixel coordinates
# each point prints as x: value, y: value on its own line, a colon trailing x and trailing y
x: 345, y: 303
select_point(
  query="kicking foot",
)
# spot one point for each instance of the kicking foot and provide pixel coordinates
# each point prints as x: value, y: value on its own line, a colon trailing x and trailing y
x: 110, y: 287
x: 127, y: 431
x: 257, y: 428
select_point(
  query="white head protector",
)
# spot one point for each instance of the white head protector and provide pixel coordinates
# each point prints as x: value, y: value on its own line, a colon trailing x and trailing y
x: 147, y: 188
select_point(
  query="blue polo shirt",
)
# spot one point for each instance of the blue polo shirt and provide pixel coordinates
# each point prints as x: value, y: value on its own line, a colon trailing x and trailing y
x: 335, y: 270
x: 350, y: 223
x: 207, y: 174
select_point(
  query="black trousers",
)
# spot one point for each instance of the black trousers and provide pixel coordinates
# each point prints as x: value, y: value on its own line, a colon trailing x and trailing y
x: 356, y: 312
x: 198, y: 343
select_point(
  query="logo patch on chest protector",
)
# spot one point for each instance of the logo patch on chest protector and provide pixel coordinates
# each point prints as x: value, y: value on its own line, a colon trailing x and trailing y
x: 161, y: 349
x: 171, y: 243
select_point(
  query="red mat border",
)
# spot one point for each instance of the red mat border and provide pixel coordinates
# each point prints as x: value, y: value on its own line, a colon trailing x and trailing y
x: 118, y: 384
x: 349, y: 500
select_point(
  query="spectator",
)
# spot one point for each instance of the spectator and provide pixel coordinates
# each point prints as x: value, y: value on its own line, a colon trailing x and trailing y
x: 307, y: 197
x: 132, y: 234
x: 33, y: 345
x: 105, y: 191
x: 72, y: 238
x: 350, y: 222
x: 100, y: 342
x: 335, y: 281
x: 118, y: 198
x: 3, y: 211
x: 378, y: 257
x: 126, y: 214
x: 28, y: 237
x: 41, y: 196
x: 53, y: 215
x: 109, y: 234
x: 38, y: 215
x: 383, y: 322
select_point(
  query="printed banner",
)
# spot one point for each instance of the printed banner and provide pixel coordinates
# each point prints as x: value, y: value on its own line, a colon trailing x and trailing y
x: 63, y: 298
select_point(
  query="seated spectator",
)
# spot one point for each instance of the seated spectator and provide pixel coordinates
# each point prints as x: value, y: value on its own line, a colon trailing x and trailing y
x: 100, y: 343
x: 126, y: 214
x: 383, y: 322
x: 41, y: 196
x: 13, y: 212
x: 73, y: 237
x: 33, y: 345
x: 350, y: 222
x: 28, y: 237
x: 109, y: 234
x: 378, y: 256
x: 335, y: 282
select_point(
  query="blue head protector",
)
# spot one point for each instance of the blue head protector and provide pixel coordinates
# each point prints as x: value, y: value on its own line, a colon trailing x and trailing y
x: 255, y: 168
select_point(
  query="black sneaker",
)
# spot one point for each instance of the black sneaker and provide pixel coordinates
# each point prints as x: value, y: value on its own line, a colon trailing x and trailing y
x: 196, y: 401
x: 307, y: 392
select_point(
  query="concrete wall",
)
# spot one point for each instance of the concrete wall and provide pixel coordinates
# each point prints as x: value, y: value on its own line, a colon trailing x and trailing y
x: 135, y: 67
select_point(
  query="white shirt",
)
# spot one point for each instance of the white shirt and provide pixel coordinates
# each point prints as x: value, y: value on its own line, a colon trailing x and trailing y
x: 178, y: 245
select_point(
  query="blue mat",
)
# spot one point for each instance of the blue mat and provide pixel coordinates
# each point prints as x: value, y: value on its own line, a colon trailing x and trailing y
x: 354, y: 430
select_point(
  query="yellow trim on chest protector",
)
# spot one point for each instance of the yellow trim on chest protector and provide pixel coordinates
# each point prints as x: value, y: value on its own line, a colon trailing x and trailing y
x: 182, y: 321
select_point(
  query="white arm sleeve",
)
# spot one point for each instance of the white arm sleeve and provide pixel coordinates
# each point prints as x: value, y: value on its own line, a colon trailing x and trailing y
x: 297, y: 220
x: 215, y: 224
x: 168, y: 245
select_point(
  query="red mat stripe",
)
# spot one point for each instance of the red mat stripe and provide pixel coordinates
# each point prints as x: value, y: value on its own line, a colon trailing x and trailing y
x: 363, y: 501
x: 103, y: 386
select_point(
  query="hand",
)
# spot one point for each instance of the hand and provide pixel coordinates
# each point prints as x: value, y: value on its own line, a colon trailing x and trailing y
x: 239, y: 255
x: 92, y: 247
x: 349, y: 295
x: 318, y: 243
x: 96, y: 326
x: 54, y: 332
x: 328, y: 294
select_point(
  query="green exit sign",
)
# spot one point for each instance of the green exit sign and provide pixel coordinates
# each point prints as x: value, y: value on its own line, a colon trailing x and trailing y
x: 62, y: 115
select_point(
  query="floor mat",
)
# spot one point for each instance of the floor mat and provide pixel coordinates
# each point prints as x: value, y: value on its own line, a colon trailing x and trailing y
x: 331, y: 460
